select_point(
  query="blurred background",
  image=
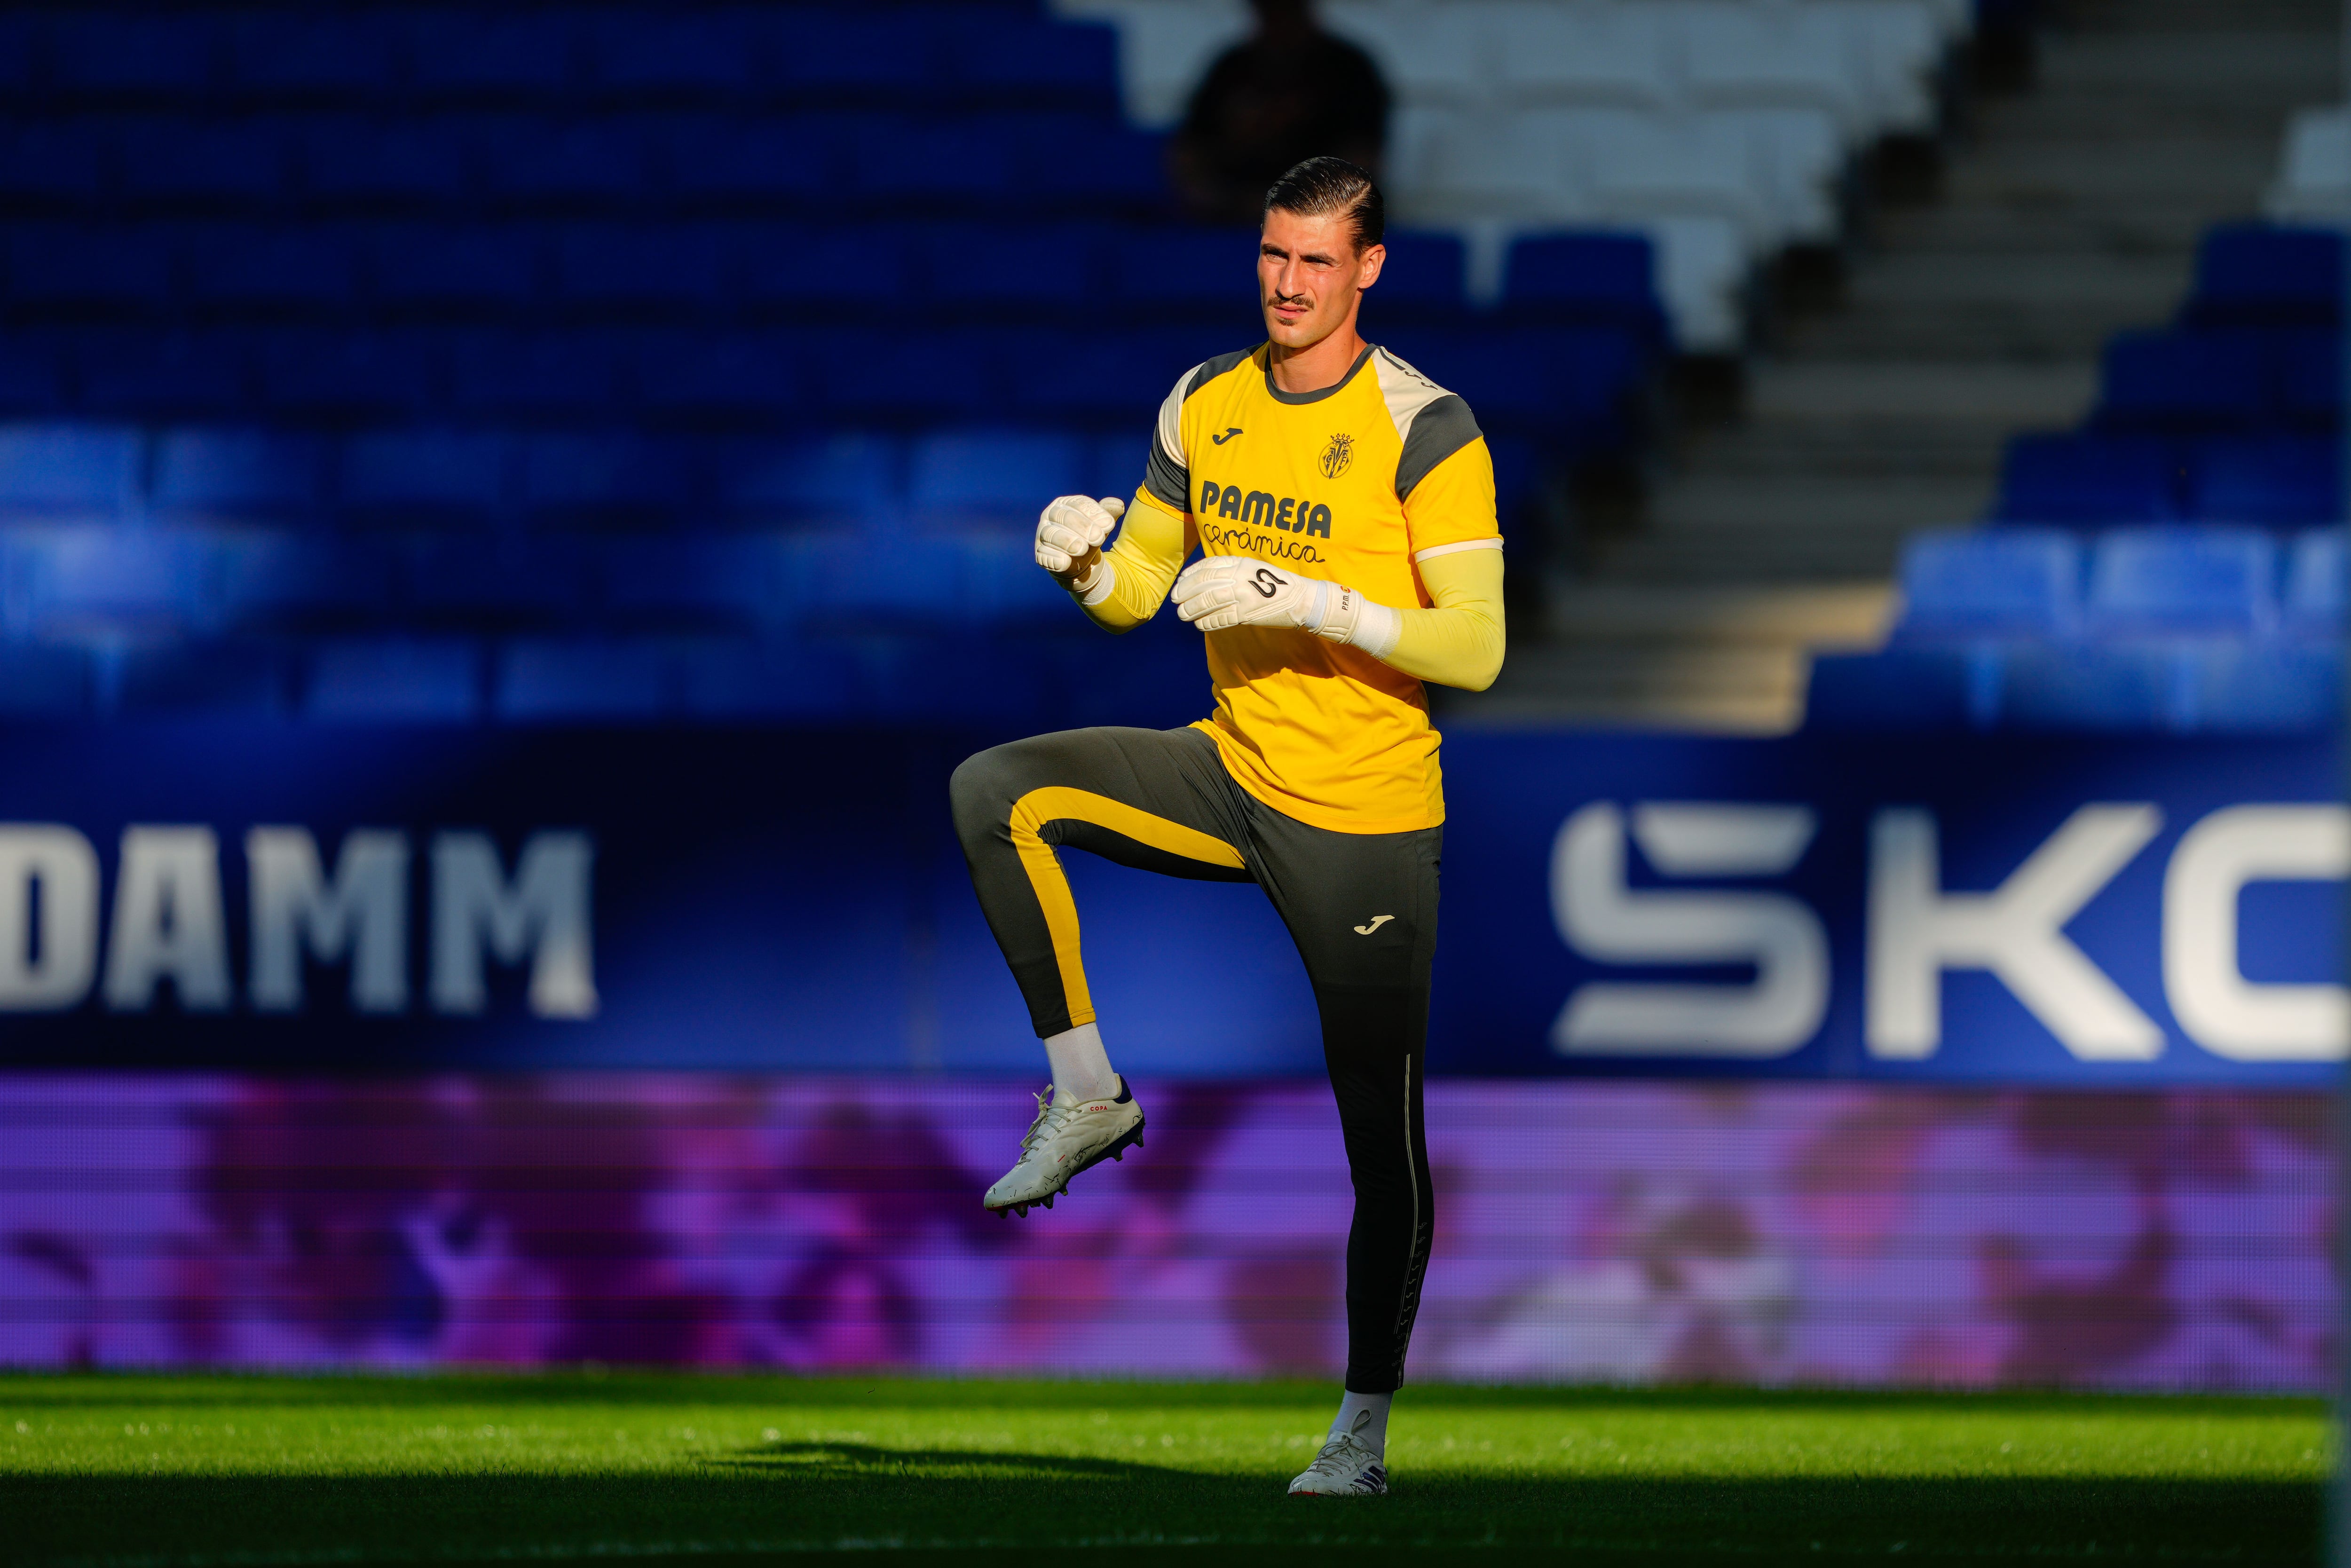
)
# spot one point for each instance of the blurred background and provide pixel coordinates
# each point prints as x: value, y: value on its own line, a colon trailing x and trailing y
x: 509, y: 512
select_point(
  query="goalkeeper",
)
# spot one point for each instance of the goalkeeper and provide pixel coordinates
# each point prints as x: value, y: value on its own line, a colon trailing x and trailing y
x: 1344, y: 506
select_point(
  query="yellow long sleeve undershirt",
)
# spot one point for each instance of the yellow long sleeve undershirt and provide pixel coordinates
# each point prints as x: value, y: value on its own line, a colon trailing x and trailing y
x: 1456, y: 642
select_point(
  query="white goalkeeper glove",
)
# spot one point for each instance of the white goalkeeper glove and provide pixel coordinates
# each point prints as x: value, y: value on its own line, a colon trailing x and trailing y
x: 1072, y: 529
x: 1227, y: 591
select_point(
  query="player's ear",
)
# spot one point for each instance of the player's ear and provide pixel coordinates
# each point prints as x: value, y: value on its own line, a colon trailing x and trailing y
x: 1375, y: 256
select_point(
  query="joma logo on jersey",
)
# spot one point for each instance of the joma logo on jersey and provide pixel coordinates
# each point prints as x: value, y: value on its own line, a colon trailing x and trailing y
x: 1264, y: 510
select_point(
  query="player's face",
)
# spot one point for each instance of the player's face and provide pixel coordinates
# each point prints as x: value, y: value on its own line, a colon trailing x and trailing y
x: 1309, y: 275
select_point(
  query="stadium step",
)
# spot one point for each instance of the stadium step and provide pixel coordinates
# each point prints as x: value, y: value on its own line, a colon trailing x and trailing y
x: 2066, y: 213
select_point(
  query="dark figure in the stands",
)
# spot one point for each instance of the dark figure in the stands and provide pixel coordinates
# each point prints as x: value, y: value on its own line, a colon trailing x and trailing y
x: 1289, y: 92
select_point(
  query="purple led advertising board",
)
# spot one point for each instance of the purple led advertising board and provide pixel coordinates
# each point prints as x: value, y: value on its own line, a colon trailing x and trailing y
x: 1775, y: 1232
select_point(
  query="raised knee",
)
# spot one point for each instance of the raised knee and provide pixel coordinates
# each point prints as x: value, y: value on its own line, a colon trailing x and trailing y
x: 981, y: 790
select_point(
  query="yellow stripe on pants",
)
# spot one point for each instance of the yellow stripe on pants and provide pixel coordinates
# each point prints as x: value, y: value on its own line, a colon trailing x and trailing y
x: 1057, y: 803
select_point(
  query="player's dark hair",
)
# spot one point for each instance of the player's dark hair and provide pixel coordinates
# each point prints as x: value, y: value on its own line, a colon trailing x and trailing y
x: 1322, y: 186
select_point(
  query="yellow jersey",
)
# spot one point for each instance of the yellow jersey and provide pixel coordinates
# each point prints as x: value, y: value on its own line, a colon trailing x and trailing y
x: 1356, y: 483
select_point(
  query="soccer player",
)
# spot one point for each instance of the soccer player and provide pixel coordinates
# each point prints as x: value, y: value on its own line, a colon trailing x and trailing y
x: 1344, y: 504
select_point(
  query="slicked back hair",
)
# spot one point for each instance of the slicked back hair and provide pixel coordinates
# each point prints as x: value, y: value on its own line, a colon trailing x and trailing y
x: 1323, y: 186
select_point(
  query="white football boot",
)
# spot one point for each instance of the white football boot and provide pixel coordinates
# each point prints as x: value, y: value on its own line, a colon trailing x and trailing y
x: 1064, y: 1141
x: 1345, y: 1468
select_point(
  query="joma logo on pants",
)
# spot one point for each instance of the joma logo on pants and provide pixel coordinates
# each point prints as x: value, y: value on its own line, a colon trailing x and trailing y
x: 169, y: 922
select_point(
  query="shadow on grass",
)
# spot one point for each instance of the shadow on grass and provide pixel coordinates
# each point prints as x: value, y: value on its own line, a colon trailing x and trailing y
x: 970, y: 1506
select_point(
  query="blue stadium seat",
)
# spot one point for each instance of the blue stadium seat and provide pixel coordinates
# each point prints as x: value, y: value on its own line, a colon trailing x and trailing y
x: 2184, y: 381
x: 383, y: 158
x: 1082, y: 162
x: 58, y: 161
x: 108, y: 583
x: 580, y: 680
x: 734, y: 377
x: 1011, y: 264
x: 16, y: 51
x: 1904, y: 689
x: 32, y: 378
x: 809, y: 265
x: 1091, y: 378
x: 2126, y: 688
x: 67, y: 473
x: 2180, y: 580
x: 647, y: 49
x: 699, y: 578
x: 615, y: 477
x: 842, y: 478
x: 2314, y: 582
x: 673, y: 265
x: 1004, y: 589
x: 329, y: 53
x: 216, y: 680
x: 2310, y: 380
x: 2268, y: 479
x: 504, y: 582
x: 237, y: 475
x: 1424, y: 273
x: 537, y: 374
x: 2256, y: 275
x: 1964, y: 583
x: 2089, y: 478
x: 323, y: 371
x: 1116, y: 462
x: 39, y: 682
x: 1213, y: 269
x: 780, y: 157
x: 143, y: 52
x: 916, y: 678
x: 175, y: 159
x: 492, y: 51
x: 602, y: 157
x: 150, y: 374
x: 126, y: 269
x: 1076, y: 62
x: 1592, y: 275
x: 729, y: 679
x: 2264, y: 688
x: 395, y: 680
x: 1568, y: 388
x: 969, y: 160
x: 273, y: 268
x: 839, y: 588
x: 278, y: 580
x: 487, y: 266
x: 955, y: 374
x: 420, y: 477
x: 864, y: 54
x: 995, y: 476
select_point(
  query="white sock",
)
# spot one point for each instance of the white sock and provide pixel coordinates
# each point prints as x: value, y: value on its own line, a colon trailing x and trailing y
x: 1365, y: 1415
x: 1081, y: 1066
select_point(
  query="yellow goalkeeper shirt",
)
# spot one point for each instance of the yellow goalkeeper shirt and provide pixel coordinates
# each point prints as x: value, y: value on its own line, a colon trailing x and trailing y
x: 1358, y: 483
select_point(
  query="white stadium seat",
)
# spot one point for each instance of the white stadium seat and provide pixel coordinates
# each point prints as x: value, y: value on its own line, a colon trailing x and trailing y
x: 2315, y: 185
x: 1595, y: 56
x: 1721, y: 128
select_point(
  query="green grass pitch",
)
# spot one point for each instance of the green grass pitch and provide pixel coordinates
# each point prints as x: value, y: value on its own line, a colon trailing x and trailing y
x: 156, y: 1471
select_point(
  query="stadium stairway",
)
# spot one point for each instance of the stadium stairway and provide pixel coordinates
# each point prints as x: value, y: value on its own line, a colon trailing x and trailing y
x: 2067, y: 212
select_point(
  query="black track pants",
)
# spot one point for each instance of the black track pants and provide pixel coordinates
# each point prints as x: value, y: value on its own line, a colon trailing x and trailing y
x: 1362, y: 908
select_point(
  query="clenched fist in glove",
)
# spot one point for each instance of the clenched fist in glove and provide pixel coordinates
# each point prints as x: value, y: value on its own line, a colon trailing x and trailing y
x: 1070, y: 536
x: 1226, y: 590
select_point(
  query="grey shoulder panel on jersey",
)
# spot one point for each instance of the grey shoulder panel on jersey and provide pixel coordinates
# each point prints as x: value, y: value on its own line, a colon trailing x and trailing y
x: 1443, y: 427
x: 1168, y: 474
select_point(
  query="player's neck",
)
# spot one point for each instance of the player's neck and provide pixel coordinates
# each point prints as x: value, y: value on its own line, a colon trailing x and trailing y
x: 1320, y: 365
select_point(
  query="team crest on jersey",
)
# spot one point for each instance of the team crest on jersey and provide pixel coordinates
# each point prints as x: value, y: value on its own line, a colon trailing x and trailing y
x: 1337, y: 456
